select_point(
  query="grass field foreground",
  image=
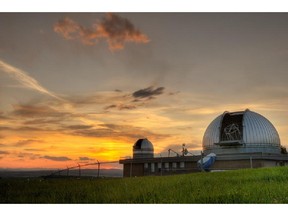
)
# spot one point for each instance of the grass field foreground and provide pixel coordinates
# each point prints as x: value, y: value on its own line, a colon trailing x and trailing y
x: 264, y: 185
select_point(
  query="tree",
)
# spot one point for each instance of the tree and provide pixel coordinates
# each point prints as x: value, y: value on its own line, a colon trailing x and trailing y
x: 283, y: 150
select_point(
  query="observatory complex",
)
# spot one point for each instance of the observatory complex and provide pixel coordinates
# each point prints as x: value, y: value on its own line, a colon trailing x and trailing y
x: 233, y: 140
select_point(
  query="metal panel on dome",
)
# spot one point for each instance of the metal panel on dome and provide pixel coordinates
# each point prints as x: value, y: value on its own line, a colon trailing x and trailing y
x: 241, y: 132
x: 212, y: 132
x: 259, y: 130
x: 143, y: 148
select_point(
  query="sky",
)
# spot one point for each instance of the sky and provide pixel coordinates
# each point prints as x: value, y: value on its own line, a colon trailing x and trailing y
x: 81, y: 87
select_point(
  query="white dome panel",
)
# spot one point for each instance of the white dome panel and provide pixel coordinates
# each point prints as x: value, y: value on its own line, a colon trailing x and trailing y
x: 241, y: 132
x: 143, y: 148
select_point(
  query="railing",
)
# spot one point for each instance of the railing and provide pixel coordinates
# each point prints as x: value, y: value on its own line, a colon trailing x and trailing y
x: 79, y: 167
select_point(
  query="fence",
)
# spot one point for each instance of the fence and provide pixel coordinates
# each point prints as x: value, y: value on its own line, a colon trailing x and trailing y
x: 82, y: 170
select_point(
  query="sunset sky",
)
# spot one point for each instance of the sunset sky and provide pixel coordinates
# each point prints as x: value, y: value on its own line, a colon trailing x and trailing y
x: 81, y: 87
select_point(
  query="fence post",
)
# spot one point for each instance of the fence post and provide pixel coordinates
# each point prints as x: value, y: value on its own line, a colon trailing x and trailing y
x: 131, y: 169
x: 79, y: 170
x: 98, y: 173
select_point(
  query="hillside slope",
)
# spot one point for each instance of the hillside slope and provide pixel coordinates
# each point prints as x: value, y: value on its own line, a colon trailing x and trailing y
x: 265, y: 185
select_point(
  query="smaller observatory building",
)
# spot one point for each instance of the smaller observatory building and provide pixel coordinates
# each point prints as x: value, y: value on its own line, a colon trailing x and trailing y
x: 143, y: 148
x: 243, y: 139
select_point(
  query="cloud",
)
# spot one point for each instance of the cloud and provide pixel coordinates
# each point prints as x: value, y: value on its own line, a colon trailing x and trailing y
x: 99, y: 132
x: 4, y: 152
x: 40, y: 121
x: 28, y: 110
x: 27, y: 142
x: 39, y: 111
x: 26, y: 80
x: 121, y: 107
x: 68, y: 28
x: 148, y: 92
x: 127, y: 131
x: 138, y: 98
x: 42, y: 117
x: 85, y: 159
x: 57, y: 158
x: 33, y: 150
x: 36, y: 111
x: 29, y: 129
x: 95, y: 99
x: 2, y: 128
x: 121, y: 132
x: 115, y: 29
x: 2, y: 117
x: 32, y: 156
x: 79, y: 127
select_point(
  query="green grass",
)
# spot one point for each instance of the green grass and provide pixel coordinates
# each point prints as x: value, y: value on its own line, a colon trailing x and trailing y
x: 265, y: 185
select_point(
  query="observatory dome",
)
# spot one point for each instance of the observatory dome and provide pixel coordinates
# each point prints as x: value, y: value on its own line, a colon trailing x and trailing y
x: 241, y: 132
x: 143, y: 148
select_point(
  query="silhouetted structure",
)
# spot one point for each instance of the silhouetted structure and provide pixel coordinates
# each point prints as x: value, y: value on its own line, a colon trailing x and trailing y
x: 243, y: 139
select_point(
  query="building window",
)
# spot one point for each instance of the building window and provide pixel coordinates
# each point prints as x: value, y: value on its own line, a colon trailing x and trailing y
x: 174, y: 165
x: 152, y: 167
x: 166, y: 166
x: 159, y: 166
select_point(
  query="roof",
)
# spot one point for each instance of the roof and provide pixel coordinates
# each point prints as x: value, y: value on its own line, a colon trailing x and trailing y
x: 143, y: 144
x: 247, y: 129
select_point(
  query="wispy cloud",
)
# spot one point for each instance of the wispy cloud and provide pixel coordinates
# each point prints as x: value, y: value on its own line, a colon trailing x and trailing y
x: 79, y: 127
x: 121, y: 107
x: 121, y: 132
x: 61, y: 109
x: 27, y: 142
x: 85, y: 159
x: 136, y: 99
x: 3, y: 117
x: 32, y: 156
x: 61, y: 158
x: 115, y: 29
x: 29, y: 111
x: 26, y: 80
x: 148, y: 92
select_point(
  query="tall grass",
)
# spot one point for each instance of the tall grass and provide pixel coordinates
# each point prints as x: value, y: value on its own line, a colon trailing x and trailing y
x: 265, y: 185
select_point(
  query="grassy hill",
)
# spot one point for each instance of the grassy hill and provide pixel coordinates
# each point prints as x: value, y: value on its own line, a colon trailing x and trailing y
x: 265, y: 185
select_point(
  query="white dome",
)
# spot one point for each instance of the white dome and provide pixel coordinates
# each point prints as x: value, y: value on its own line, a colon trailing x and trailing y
x: 143, y: 148
x: 241, y: 132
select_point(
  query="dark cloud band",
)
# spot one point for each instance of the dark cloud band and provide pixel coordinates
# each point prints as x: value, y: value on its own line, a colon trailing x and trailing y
x: 56, y: 158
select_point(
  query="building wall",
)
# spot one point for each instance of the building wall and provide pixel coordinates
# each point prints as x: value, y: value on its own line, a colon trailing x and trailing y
x: 242, y: 164
x: 132, y: 170
x: 181, y: 165
x: 158, y: 168
x: 237, y: 164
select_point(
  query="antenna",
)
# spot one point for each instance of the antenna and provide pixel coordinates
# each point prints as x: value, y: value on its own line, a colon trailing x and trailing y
x: 185, y: 150
x: 169, y: 150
